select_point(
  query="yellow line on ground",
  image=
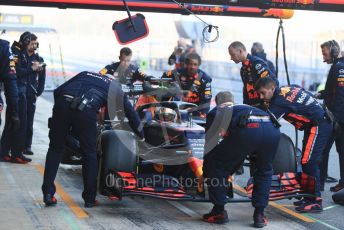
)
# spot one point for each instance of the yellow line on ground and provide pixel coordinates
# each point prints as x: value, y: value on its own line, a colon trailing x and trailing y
x: 280, y: 207
x: 78, y: 211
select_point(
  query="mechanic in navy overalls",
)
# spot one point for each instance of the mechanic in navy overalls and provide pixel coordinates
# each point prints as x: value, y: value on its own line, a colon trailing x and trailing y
x: 34, y: 88
x: 253, y: 68
x: 124, y: 71
x: 77, y: 103
x: 25, y: 65
x: 333, y: 96
x: 300, y: 108
x: 9, y: 79
x: 242, y: 129
x: 194, y: 81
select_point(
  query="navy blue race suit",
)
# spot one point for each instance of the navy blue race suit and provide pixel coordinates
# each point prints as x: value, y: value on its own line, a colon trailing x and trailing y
x: 333, y: 96
x: 250, y: 130
x: 252, y: 69
x: 77, y: 102
x: 8, y: 77
x: 198, y: 87
x: 299, y: 108
x: 124, y: 76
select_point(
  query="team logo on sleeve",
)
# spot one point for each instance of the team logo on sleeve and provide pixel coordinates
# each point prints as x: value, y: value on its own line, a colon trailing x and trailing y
x: 103, y: 71
x: 264, y: 74
x: 284, y: 91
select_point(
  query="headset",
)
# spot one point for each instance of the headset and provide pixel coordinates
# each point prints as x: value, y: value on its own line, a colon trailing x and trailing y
x: 334, y: 49
x: 25, y: 38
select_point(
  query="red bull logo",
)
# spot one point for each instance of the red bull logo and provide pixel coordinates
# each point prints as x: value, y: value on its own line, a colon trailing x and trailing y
x: 215, y: 9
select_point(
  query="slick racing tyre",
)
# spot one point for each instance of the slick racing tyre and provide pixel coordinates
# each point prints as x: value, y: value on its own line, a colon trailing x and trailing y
x: 118, y: 153
x: 285, y: 159
x: 338, y: 197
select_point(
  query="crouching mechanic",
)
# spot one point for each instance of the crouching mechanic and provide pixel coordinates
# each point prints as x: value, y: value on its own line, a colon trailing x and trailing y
x: 243, y: 129
x: 77, y: 102
x: 195, y: 82
x: 299, y: 108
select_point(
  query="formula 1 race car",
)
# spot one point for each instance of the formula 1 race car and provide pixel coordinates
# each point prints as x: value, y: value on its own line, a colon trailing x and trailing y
x: 169, y: 162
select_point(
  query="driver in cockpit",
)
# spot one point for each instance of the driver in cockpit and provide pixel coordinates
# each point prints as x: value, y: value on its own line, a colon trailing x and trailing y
x: 160, y: 114
x: 164, y: 114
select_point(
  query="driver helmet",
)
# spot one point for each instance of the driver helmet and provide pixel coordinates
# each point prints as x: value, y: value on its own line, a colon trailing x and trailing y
x: 166, y: 114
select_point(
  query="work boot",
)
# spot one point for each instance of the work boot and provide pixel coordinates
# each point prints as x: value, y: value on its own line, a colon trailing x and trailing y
x: 260, y: 221
x: 20, y: 160
x: 216, y: 217
x: 49, y: 200
x: 91, y: 204
x: 337, y: 188
x: 310, y: 206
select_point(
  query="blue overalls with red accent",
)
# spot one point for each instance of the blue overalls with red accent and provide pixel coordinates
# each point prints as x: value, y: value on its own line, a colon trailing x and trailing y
x: 299, y: 108
x: 99, y: 90
x: 250, y: 130
x: 333, y: 96
x: 9, y: 79
x: 252, y: 69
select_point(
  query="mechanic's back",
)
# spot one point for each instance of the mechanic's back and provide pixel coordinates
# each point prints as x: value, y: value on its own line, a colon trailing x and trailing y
x: 233, y: 132
x: 77, y: 103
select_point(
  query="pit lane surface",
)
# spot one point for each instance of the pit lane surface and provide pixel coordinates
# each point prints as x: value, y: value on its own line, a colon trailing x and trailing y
x: 22, y: 206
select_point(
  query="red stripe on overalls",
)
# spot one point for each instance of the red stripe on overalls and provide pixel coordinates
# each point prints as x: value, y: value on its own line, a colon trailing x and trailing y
x: 310, y: 144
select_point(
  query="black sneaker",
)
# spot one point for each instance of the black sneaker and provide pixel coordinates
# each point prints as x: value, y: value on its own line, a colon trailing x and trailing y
x: 330, y: 179
x: 28, y: 152
x: 260, y: 221
x: 91, y: 204
x: 310, y: 206
x: 337, y: 188
x: 300, y: 202
x: 20, y: 160
x: 49, y: 200
x: 216, y: 218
